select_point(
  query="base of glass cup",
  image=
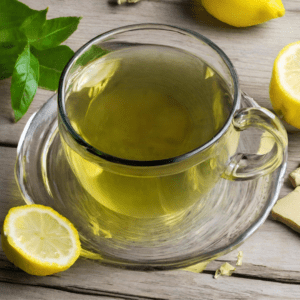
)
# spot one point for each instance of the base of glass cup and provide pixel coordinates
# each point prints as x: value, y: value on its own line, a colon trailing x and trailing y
x: 205, y: 231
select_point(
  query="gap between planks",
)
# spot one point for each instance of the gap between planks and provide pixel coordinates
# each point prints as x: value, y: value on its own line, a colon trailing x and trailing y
x: 246, y: 271
x: 8, y: 145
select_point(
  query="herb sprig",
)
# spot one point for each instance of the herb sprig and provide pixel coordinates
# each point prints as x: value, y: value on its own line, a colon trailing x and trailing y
x: 30, y: 51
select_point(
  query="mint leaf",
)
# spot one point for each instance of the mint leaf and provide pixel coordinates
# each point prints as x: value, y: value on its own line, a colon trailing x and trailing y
x: 55, y: 31
x: 52, y: 62
x: 12, y: 36
x: 24, y: 82
x: 13, y: 13
x: 91, y: 54
x: 32, y: 26
x: 8, y: 56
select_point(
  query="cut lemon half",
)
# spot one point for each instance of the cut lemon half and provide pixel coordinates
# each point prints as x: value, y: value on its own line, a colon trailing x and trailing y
x: 39, y: 240
x: 285, y: 84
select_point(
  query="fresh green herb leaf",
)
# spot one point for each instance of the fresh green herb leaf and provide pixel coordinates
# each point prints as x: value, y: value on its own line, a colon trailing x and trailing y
x: 21, y: 28
x: 24, y: 82
x: 13, y: 13
x: 8, y: 56
x: 52, y: 62
x: 32, y: 26
x: 55, y: 31
x: 91, y: 54
x: 12, y: 36
x: 6, y: 70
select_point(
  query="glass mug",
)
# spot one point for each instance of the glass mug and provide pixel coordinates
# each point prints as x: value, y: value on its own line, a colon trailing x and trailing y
x: 150, y: 118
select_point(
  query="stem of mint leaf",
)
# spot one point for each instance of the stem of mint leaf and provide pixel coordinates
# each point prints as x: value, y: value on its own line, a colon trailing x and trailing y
x: 24, y: 82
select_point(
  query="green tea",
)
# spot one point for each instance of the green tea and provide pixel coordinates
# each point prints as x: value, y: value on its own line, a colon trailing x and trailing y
x: 146, y: 103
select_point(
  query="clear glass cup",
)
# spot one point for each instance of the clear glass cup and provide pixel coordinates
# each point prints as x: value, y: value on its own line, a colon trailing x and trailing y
x: 144, y: 207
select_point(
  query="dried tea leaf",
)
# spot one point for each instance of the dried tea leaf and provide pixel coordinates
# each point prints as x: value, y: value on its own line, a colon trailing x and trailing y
x: 295, y: 177
x: 225, y: 270
x: 287, y: 210
x: 239, y: 258
x: 198, y: 268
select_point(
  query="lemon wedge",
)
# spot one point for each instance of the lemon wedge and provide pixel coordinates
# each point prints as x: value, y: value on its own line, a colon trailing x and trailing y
x: 285, y: 84
x: 244, y: 13
x: 38, y: 240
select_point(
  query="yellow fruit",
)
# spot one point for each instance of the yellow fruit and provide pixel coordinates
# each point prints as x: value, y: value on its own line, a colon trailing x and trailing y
x: 285, y: 84
x: 244, y: 13
x: 38, y: 240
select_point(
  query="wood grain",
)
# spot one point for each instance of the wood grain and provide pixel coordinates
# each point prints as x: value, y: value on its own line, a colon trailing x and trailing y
x: 90, y: 278
x: 271, y: 265
x: 252, y: 50
x: 11, y: 291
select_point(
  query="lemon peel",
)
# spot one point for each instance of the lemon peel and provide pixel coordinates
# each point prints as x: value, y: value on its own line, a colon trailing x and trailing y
x: 244, y: 13
x: 284, y: 85
x: 39, y: 240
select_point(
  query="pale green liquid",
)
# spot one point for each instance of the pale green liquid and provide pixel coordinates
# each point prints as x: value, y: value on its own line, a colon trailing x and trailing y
x: 146, y: 103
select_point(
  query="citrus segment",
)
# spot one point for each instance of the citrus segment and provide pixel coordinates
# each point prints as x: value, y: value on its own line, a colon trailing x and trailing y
x: 285, y: 84
x: 38, y: 240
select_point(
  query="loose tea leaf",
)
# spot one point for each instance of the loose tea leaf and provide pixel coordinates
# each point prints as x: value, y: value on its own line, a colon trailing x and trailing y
x: 239, y: 258
x: 24, y: 82
x: 226, y: 269
x: 52, y: 62
x: 55, y: 31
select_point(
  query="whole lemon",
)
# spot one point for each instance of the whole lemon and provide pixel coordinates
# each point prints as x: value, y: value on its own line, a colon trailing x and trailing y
x: 244, y: 13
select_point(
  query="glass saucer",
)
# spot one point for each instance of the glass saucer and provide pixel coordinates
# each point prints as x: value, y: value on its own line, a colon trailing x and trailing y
x: 232, y: 211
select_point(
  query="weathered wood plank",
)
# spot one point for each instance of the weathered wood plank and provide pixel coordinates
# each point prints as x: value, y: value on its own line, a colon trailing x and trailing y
x: 9, y: 291
x: 252, y: 50
x: 92, y: 279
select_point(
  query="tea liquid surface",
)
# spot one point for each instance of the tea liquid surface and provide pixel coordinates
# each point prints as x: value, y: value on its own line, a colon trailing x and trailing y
x: 147, y: 103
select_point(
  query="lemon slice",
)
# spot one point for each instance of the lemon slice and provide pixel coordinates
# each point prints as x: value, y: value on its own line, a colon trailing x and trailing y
x: 285, y: 84
x: 38, y: 240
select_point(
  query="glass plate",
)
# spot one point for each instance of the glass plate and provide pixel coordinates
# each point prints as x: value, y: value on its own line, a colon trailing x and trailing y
x: 232, y: 211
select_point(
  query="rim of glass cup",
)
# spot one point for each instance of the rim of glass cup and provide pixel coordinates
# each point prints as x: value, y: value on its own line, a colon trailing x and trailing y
x: 145, y: 163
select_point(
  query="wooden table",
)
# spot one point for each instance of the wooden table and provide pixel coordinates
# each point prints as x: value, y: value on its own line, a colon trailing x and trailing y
x: 271, y: 264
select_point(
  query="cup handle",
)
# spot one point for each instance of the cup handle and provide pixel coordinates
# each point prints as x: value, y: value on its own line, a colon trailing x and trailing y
x: 249, y: 166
